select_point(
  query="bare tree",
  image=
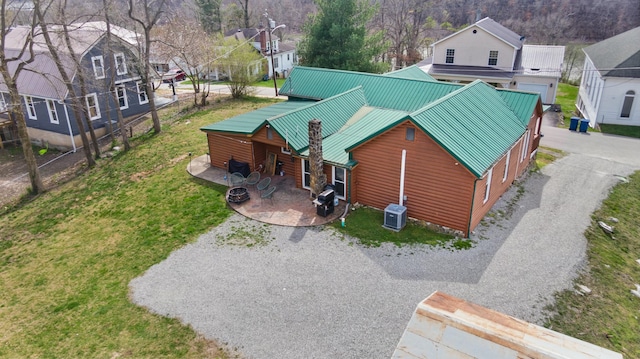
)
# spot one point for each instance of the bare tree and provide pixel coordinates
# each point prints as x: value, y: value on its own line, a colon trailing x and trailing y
x: 39, y: 10
x: 244, y: 5
x: 146, y: 14
x: 20, y: 59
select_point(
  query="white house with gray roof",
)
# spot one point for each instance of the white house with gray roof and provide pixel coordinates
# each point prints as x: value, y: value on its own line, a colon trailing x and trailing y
x: 610, y: 87
x: 492, y: 53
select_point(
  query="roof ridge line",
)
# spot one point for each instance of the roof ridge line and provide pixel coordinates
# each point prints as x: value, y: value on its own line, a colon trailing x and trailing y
x: 317, y: 103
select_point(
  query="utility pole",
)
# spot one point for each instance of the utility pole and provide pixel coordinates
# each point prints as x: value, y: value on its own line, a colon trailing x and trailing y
x: 272, y: 28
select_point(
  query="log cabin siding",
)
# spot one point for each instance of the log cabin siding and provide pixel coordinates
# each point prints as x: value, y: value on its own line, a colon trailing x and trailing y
x: 273, y: 145
x: 224, y: 146
x: 438, y: 189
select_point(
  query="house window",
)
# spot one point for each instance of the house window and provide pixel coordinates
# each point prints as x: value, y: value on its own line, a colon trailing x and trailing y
x: 339, y: 181
x: 285, y: 150
x: 306, y: 174
x: 268, y: 46
x: 31, y: 108
x: 53, y: 113
x: 121, y: 94
x: 410, y: 134
x: 98, y: 66
x: 121, y: 65
x: 627, y: 104
x: 487, y: 186
x: 506, y: 166
x: 450, y: 54
x: 276, y: 63
x: 287, y: 57
x: 493, y: 58
x: 142, y: 93
x: 525, y: 146
x: 3, y: 104
x: 269, y: 133
x: 93, y: 108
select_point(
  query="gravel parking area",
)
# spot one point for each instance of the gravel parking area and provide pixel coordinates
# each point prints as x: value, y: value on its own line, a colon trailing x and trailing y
x: 282, y: 292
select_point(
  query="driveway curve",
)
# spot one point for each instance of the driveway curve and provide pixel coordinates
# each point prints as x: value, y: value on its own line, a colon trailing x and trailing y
x: 283, y: 292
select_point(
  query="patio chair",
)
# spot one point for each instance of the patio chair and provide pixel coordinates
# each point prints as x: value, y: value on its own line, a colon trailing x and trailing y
x: 237, y: 179
x: 263, y: 184
x: 253, y: 179
x: 268, y: 194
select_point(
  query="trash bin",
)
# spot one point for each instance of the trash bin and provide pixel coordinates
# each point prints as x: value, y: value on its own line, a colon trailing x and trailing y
x: 573, y: 126
x: 584, y: 125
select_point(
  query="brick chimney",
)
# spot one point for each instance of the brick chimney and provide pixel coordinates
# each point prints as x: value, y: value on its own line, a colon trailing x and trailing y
x: 263, y: 39
x: 316, y: 166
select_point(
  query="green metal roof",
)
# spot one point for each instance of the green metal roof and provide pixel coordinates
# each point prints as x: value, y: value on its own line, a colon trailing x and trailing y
x: 250, y: 122
x: 372, y: 122
x: 521, y: 103
x: 334, y: 113
x: 412, y: 72
x: 380, y: 90
x: 474, y: 124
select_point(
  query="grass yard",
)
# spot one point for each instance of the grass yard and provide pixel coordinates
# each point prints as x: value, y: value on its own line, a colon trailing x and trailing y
x: 547, y: 155
x: 259, y: 83
x: 610, y: 315
x: 621, y: 130
x: 67, y: 256
x: 566, y: 97
x: 365, y: 224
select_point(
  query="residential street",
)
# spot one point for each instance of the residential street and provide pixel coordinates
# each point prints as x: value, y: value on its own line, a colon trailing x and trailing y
x: 308, y: 293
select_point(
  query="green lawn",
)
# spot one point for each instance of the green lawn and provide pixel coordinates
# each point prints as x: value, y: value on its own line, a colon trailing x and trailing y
x: 629, y: 131
x: 67, y: 256
x: 566, y: 97
x: 609, y: 316
x: 259, y: 83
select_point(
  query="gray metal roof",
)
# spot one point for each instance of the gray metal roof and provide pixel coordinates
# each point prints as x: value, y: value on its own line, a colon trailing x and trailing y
x: 476, y: 72
x: 617, y: 56
x: 501, y: 32
x: 542, y: 60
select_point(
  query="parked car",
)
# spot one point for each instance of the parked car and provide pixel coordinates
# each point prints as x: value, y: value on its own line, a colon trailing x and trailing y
x: 174, y: 75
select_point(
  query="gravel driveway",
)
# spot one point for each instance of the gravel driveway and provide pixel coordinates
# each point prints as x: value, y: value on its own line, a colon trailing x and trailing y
x: 310, y: 293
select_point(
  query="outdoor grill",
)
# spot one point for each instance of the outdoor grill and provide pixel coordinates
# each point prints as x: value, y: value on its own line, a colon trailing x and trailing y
x: 238, y: 195
x: 324, y: 203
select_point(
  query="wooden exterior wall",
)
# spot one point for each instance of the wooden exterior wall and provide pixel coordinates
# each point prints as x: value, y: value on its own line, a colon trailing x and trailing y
x: 438, y: 189
x: 224, y: 146
x: 273, y: 145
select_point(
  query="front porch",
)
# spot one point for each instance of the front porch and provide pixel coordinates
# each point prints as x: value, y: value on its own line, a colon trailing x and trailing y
x: 290, y: 206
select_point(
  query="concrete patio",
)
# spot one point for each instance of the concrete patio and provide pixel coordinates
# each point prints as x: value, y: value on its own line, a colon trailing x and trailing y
x: 290, y: 206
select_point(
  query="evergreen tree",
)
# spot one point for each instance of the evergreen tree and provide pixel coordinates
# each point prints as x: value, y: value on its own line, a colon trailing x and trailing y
x: 209, y: 15
x: 337, y: 37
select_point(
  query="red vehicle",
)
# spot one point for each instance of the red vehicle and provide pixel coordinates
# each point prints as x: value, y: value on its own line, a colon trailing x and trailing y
x: 174, y: 75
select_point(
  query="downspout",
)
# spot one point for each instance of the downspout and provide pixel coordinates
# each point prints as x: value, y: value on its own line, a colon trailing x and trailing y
x: 402, y: 170
x: 473, y: 200
x: 66, y: 113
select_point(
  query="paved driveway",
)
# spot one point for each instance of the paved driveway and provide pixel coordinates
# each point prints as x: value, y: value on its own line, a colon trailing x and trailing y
x: 309, y: 293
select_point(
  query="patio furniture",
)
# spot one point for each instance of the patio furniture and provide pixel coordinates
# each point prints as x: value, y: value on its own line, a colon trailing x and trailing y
x: 263, y: 184
x: 253, y: 178
x: 268, y: 194
x: 237, y: 179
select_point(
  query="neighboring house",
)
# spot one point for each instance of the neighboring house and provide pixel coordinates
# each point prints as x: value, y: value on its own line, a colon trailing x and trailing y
x: 284, y: 55
x: 494, y: 54
x: 465, y: 144
x: 45, y: 99
x: 610, y: 87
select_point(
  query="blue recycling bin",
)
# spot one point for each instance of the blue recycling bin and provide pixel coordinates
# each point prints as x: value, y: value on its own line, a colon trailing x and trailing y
x: 573, y: 126
x: 584, y: 125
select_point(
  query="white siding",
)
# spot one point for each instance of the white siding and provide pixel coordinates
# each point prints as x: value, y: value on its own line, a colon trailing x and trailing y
x: 473, y: 49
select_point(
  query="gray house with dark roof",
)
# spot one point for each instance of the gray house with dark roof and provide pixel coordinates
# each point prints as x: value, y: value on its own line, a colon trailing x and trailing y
x: 610, y: 84
x: 45, y: 98
x: 490, y: 52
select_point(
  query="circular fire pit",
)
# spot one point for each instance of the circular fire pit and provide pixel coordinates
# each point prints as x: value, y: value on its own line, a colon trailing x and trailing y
x: 238, y: 195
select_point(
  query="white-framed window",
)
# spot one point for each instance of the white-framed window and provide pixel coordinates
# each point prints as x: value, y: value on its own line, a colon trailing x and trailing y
x: 627, y: 104
x: 31, y: 108
x: 3, y: 103
x: 98, y: 66
x: 506, y: 166
x: 53, y: 112
x: 268, y: 46
x: 306, y: 174
x: 487, y: 186
x: 121, y: 64
x: 493, y: 58
x: 525, y: 146
x: 276, y: 63
x: 450, y: 56
x: 285, y: 150
x: 121, y: 94
x: 142, y: 93
x: 93, y: 108
x: 340, y: 181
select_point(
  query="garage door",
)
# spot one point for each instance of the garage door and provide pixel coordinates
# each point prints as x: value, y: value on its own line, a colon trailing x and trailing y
x: 541, y: 89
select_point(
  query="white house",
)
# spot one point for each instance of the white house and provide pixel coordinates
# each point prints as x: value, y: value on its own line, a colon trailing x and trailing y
x: 490, y: 52
x: 610, y: 84
x: 284, y: 55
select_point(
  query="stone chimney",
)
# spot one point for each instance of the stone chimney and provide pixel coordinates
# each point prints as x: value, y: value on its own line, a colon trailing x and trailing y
x: 316, y: 166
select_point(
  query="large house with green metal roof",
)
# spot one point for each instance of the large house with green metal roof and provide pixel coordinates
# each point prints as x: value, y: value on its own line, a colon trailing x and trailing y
x: 464, y: 145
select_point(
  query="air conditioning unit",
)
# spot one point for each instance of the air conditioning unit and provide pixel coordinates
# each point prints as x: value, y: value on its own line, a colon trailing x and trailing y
x: 395, y: 217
